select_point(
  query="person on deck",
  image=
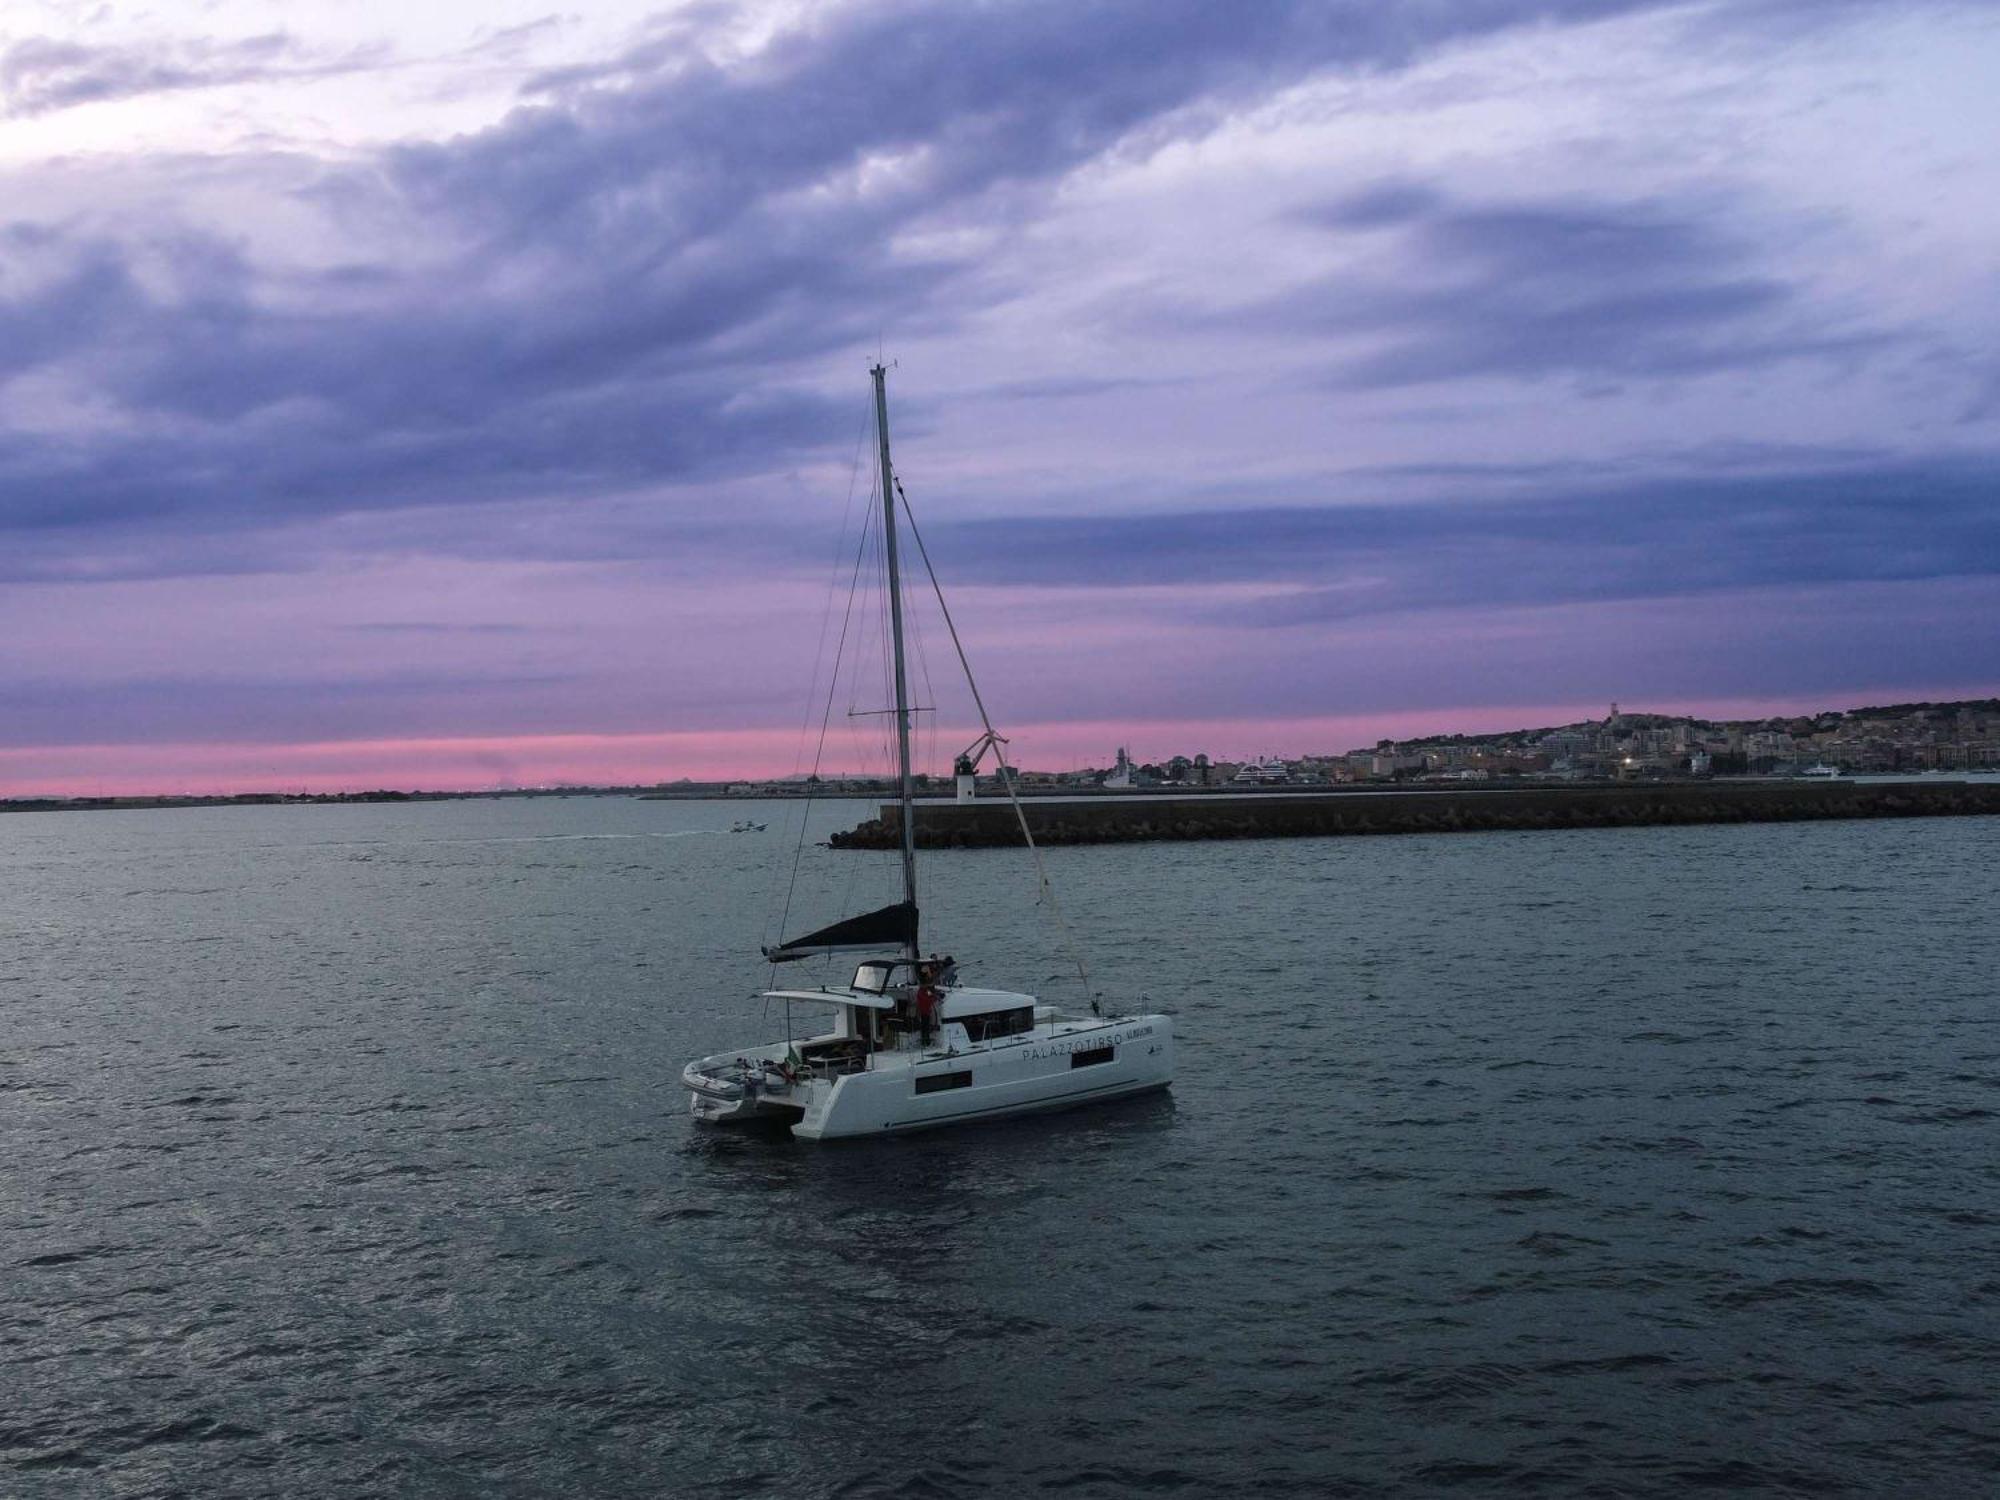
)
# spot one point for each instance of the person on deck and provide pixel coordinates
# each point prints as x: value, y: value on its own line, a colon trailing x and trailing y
x: 927, y: 1002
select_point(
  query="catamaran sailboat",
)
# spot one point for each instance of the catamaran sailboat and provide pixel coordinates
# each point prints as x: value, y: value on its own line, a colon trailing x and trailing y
x: 908, y: 1046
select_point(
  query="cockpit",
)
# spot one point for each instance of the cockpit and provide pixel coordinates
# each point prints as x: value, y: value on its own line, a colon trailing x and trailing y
x: 877, y: 976
x: 902, y: 1004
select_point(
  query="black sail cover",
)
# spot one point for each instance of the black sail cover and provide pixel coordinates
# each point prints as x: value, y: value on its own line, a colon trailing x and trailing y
x: 891, y: 927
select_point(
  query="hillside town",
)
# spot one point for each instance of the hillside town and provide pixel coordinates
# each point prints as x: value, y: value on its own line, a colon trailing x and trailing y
x: 1897, y: 738
x: 1907, y: 738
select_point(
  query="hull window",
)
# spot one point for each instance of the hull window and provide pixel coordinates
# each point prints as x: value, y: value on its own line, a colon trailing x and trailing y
x: 1093, y: 1057
x: 937, y: 1083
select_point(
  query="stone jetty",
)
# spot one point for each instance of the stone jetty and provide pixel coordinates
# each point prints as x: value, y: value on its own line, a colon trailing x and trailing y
x: 1123, y: 819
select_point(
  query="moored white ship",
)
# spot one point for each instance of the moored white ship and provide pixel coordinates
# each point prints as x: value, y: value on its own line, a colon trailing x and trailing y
x: 908, y: 1047
x: 994, y: 1053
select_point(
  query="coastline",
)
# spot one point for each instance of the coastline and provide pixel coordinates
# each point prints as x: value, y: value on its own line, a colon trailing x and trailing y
x: 1337, y: 814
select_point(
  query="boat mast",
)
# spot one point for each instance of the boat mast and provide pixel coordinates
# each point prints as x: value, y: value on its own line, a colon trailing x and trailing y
x: 909, y: 820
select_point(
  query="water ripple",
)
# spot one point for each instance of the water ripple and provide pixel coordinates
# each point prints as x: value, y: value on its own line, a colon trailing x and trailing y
x: 343, y: 1155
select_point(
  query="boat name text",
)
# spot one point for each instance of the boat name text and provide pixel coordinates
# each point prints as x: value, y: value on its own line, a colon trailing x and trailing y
x: 1089, y: 1042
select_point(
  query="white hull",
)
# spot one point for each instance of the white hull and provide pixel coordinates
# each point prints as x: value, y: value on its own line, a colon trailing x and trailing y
x: 1056, y: 1066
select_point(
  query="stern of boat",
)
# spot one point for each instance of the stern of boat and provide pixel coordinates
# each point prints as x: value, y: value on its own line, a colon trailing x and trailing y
x: 743, y: 1086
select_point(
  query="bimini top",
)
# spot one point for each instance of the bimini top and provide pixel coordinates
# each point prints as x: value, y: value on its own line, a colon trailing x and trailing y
x: 961, y: 1001
x: 867, y: 999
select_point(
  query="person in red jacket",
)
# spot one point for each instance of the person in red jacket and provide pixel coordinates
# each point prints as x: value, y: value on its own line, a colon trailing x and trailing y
x: 927, y: 1002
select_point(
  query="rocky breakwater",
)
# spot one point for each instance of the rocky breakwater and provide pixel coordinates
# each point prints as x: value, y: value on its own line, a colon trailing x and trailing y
x: 1107, y: 820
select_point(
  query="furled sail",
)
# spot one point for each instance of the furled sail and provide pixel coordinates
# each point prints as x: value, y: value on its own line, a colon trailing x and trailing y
x: 891, y: 927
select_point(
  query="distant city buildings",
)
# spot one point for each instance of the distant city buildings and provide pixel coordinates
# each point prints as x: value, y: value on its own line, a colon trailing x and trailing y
x: 1905, y: 737
x: 1963, y: 736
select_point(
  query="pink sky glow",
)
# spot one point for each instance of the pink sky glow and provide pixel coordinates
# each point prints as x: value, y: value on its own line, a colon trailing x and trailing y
x: 517, y: 761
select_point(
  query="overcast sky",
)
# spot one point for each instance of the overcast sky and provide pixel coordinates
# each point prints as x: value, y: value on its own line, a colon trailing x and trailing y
x: 471, y: 394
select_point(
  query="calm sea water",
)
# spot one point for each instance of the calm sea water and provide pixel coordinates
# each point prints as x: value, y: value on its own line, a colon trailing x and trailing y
x: 342, y: 1153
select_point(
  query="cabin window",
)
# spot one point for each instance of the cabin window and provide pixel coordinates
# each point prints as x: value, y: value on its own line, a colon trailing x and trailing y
x: 998, y: 1023
x: 873, y: 978
x: 937, y: 1083
x: 1093, y: 1057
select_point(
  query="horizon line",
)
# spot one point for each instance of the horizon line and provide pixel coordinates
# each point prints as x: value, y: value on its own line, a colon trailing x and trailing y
x: 516, y: 763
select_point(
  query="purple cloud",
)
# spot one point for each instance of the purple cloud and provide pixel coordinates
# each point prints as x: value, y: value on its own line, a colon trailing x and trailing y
x: 44, y: 74
x: 623, y: 278
x: 1553, y: 286
x: 1700, y: 533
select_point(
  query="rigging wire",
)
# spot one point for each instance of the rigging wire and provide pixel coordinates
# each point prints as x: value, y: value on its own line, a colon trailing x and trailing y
x: 872, y: 543
x: 812, y: 685
x: 925, y: 729
x: 826, y: 718
x: 860, y: 738
x: 886, y: 656
x: 1048, y: 892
